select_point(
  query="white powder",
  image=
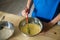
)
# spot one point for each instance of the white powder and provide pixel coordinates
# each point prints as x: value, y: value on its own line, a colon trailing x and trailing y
x: 5, y: 33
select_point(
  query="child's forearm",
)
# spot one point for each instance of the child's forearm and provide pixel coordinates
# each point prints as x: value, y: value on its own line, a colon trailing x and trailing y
x: 56, y: 19
x: 29, y: 4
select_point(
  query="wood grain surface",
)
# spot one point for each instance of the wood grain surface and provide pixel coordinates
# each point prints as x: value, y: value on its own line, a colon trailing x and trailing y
x: 51, y: 34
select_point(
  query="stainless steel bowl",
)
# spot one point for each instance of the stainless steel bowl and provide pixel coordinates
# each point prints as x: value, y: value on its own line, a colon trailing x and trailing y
x: 6, y: 30
x: 31, y: 20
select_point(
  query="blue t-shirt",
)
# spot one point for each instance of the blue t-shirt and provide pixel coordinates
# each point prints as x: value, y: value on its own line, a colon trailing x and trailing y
x: 45, y: 9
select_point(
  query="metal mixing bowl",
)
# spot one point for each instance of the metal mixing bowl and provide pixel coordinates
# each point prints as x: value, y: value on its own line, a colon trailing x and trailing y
x: 32, y: 21
x: 6, y: 30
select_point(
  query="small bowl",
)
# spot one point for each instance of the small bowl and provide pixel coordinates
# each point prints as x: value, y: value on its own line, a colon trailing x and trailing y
x: 6, y: 30
x: 32, y: 21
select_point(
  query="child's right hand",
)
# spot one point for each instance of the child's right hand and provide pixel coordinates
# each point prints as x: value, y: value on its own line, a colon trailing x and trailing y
x: 25, y: 12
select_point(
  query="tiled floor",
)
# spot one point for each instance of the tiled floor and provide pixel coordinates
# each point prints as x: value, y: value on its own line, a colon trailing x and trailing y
x: 14, y: 6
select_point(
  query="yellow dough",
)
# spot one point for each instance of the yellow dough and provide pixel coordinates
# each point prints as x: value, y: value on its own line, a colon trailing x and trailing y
x: 31, y: 29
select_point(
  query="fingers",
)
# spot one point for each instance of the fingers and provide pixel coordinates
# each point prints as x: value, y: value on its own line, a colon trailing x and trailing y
x: 24, y: 13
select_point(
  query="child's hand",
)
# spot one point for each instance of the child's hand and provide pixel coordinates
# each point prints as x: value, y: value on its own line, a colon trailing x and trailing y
x: 48, y: 24
x: 25, y: 12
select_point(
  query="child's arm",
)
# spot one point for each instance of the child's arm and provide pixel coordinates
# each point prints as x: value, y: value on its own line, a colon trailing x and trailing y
x: 27, y: 8
x: 56, y: 19
x: 53, y: 22
x: 29, y: 4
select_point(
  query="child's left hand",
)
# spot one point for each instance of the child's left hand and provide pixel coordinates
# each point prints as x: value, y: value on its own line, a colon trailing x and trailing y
x: 47, y: 24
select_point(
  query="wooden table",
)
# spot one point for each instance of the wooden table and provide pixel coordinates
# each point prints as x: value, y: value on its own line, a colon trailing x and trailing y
x: 52, y: 34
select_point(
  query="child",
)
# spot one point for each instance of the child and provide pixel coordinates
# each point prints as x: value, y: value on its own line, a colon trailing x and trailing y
x: 45, y: 10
